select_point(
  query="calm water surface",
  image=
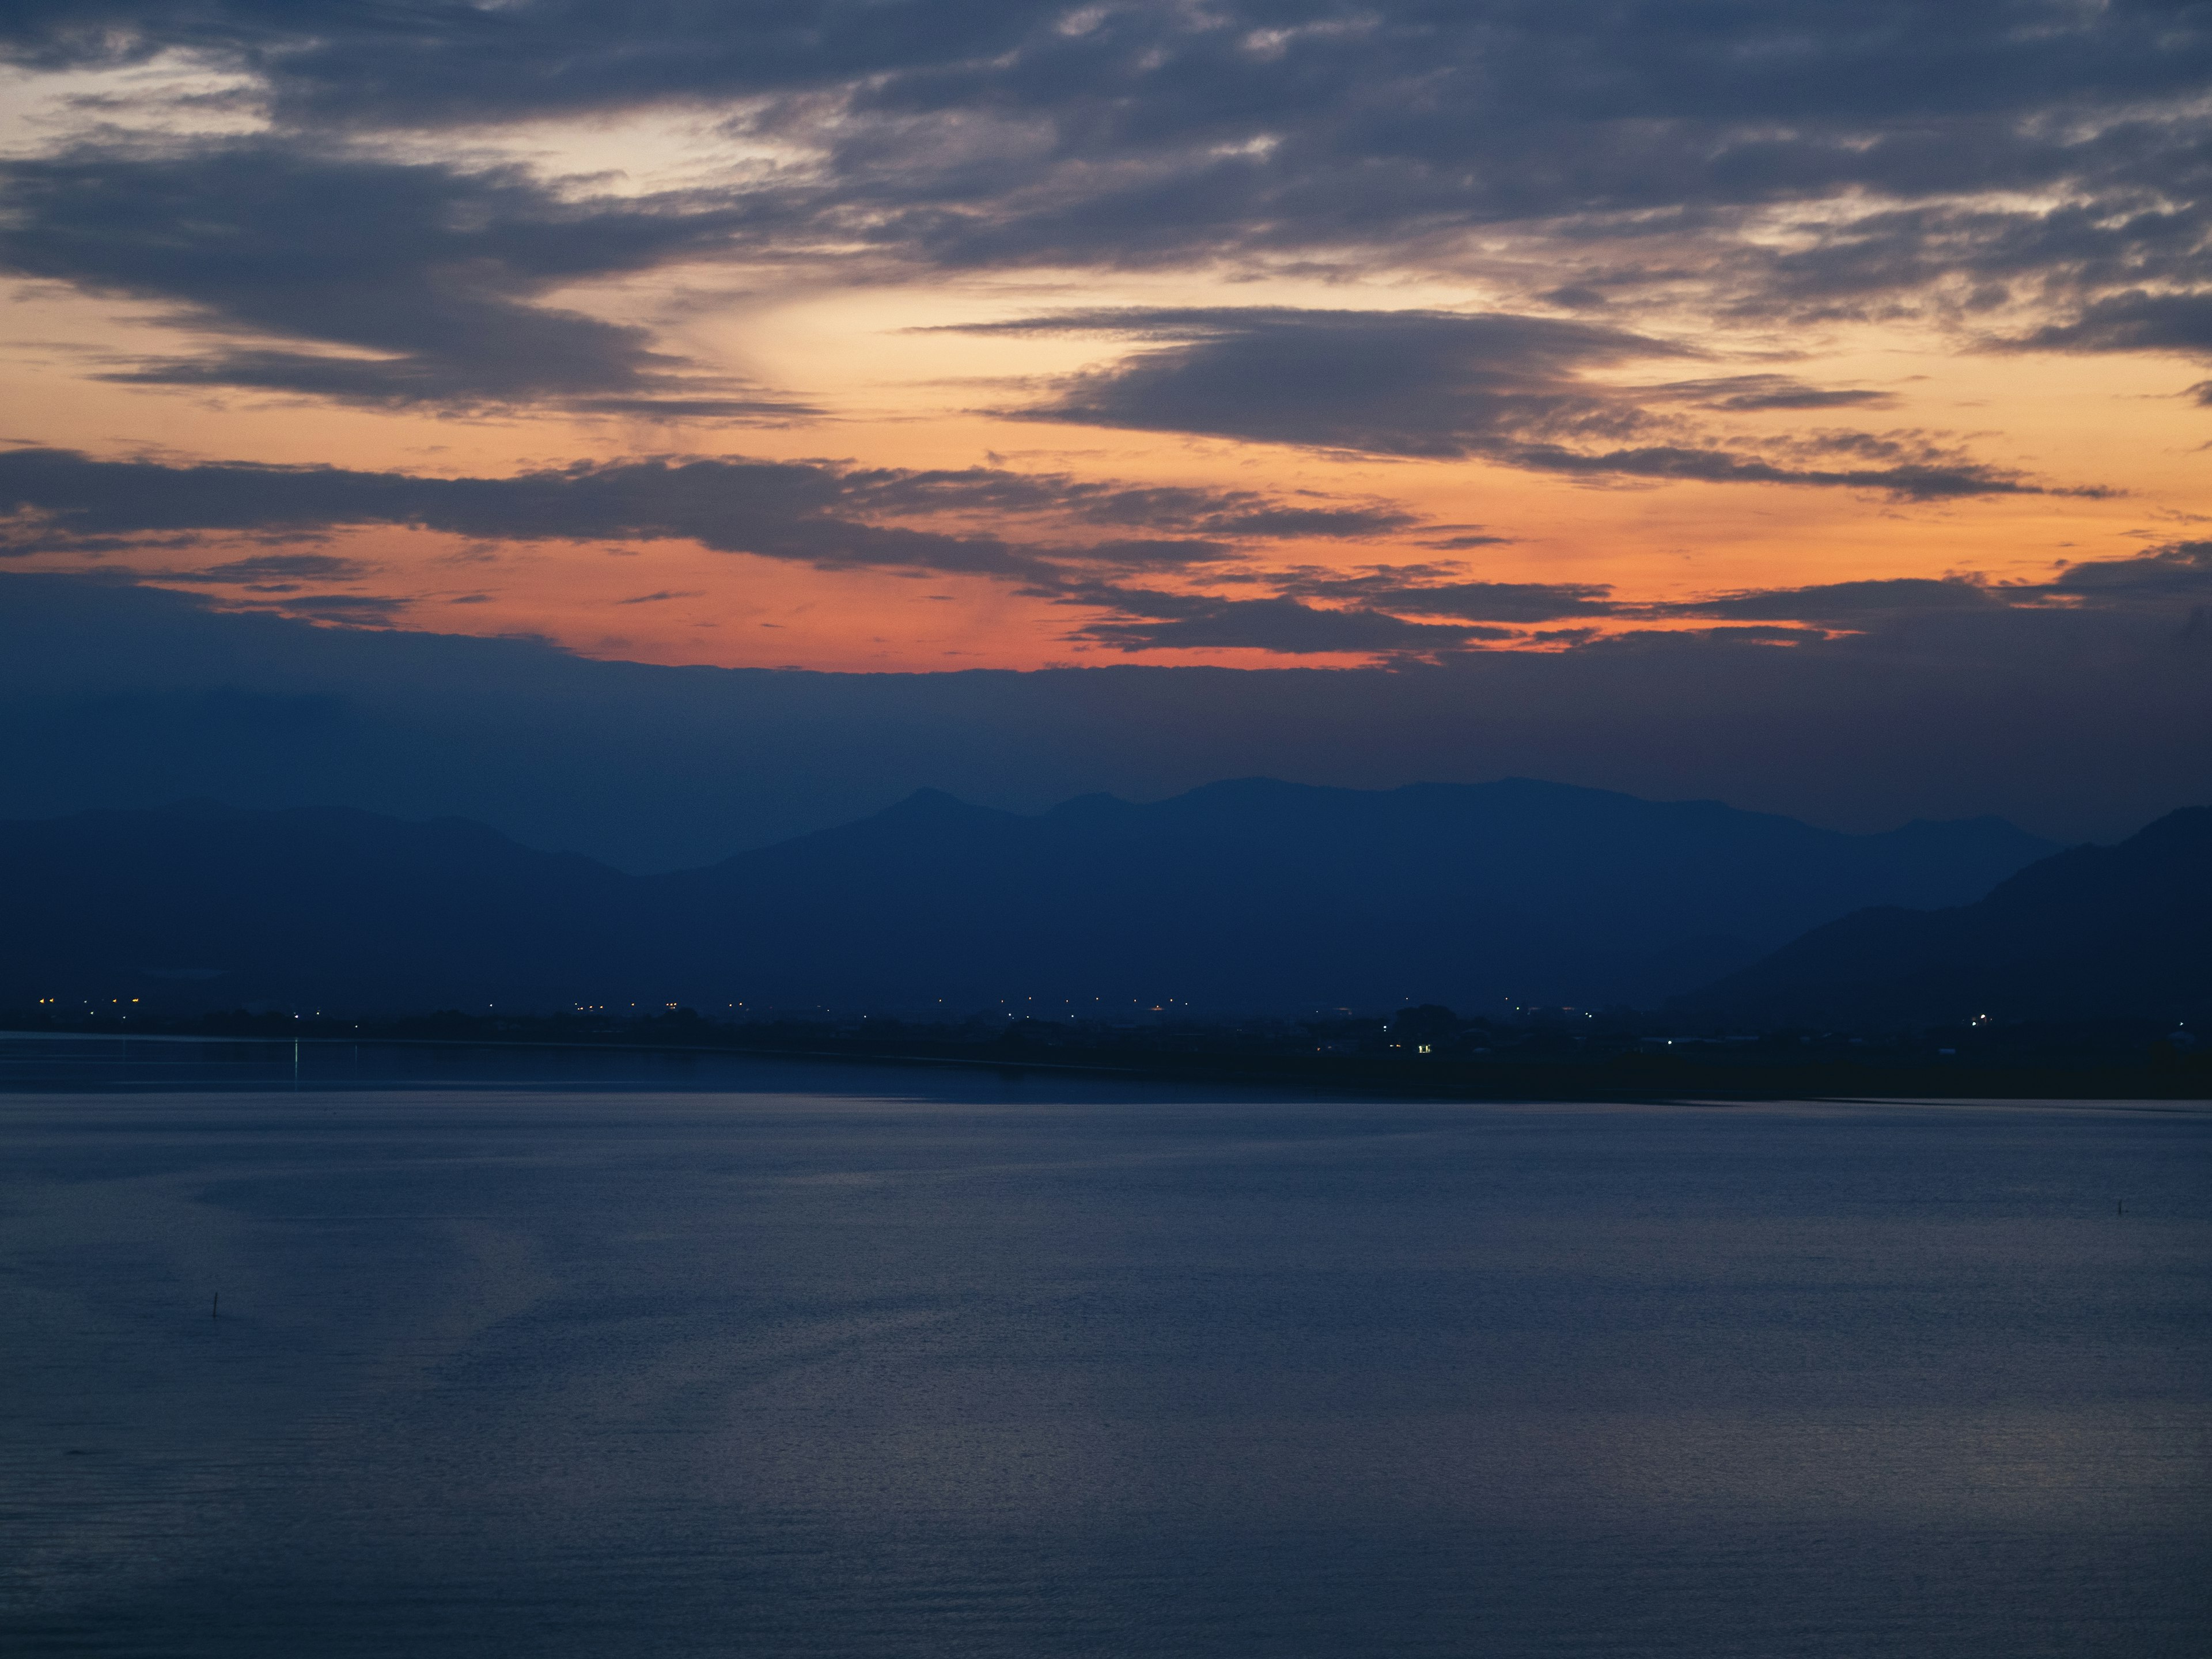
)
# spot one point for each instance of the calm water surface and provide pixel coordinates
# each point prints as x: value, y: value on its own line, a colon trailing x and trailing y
x: 613, y: 1357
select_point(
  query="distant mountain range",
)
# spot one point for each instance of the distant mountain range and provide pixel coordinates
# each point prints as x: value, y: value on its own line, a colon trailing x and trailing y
x: 2094, y: 932
x: 1251, y: 895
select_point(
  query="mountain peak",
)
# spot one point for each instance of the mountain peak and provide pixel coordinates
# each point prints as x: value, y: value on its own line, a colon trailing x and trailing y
x: 926, y: 806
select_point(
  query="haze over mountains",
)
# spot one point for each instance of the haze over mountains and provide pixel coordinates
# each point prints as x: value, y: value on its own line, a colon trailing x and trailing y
x: 127, y: 697
x: 1244, y: 895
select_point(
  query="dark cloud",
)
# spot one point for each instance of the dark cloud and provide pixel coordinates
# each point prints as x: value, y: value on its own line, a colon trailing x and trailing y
x: 1847, y: 602
x: 2156, y: 581
x: 1236, y: 512
x: 1514, y: 390
x: 1437, y: 591
x: 2135, y: 321
x: 59, y: 494
x: 386, y: 283
x: 1827, y: 62
x: 447, y: 61
x: 815, y: 512
x: 824, y: 515
x: 1962, y: 155
x: 1148, y: 621
x: 2140, y: 211
x: 348, y: 609
x: 1349, y: 523
x: 264, y: 568
x: 1424, y: 384
x: 782, y: 510
x: 2180, y: 571
x: 1256, y: 128
x: 1314, y: 608
x: 1155, y: 553
x: 1752, y: 393
x: 1929, y: 480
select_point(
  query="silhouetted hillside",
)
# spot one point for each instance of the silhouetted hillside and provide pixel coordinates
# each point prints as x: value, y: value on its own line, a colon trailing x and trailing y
x: 1246, y: 895
x: 2093, y: 931
x: 199, y: 905
x: 1262, y: 894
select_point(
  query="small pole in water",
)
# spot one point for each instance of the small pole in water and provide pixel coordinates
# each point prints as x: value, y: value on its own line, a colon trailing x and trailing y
x: 214, y: 1307
x: 2120, y: 1206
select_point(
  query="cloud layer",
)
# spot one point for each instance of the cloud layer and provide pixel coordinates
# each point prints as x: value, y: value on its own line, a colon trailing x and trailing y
x: 832, y: 517
x: 2031, y: 173
x: 1569, y: 268
x: 1508, y: 388
x: 822, y: 514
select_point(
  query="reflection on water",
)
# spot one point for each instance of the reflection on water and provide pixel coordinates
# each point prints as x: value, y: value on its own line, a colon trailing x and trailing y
x: 633, y: 1357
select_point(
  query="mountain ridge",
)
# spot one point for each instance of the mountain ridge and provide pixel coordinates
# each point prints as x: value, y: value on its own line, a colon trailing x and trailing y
x: 2091, y: 931
x: 1246, y: 893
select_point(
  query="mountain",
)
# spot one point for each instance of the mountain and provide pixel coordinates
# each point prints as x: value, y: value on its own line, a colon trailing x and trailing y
x: 1245, y: 895
x: 2093, y: 931
x: 1260, y: 894
x: 198, y: 905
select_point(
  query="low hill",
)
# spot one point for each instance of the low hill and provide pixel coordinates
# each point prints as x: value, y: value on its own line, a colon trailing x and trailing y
x: 2122, y: 932
x: 198, y: 905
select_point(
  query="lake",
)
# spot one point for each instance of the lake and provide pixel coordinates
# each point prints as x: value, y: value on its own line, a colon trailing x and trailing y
x: 630, y: 1355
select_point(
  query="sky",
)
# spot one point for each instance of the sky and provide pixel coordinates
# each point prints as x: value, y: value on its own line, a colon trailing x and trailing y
x: 1769, y: 343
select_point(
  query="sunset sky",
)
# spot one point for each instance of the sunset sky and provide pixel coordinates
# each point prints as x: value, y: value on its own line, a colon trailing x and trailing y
x: 907, y: 336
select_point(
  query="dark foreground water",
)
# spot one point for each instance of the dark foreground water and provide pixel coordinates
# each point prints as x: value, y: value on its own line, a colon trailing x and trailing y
x: 776, y: 1361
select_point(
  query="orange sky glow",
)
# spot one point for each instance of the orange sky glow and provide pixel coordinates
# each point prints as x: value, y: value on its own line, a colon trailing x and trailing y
x: 867, y: 356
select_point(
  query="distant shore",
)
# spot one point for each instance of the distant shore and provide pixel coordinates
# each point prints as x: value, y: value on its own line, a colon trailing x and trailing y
x: 1746, y: 1069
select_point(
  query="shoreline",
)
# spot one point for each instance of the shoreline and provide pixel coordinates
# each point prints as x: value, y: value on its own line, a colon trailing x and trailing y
x: 1626, y: 1078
